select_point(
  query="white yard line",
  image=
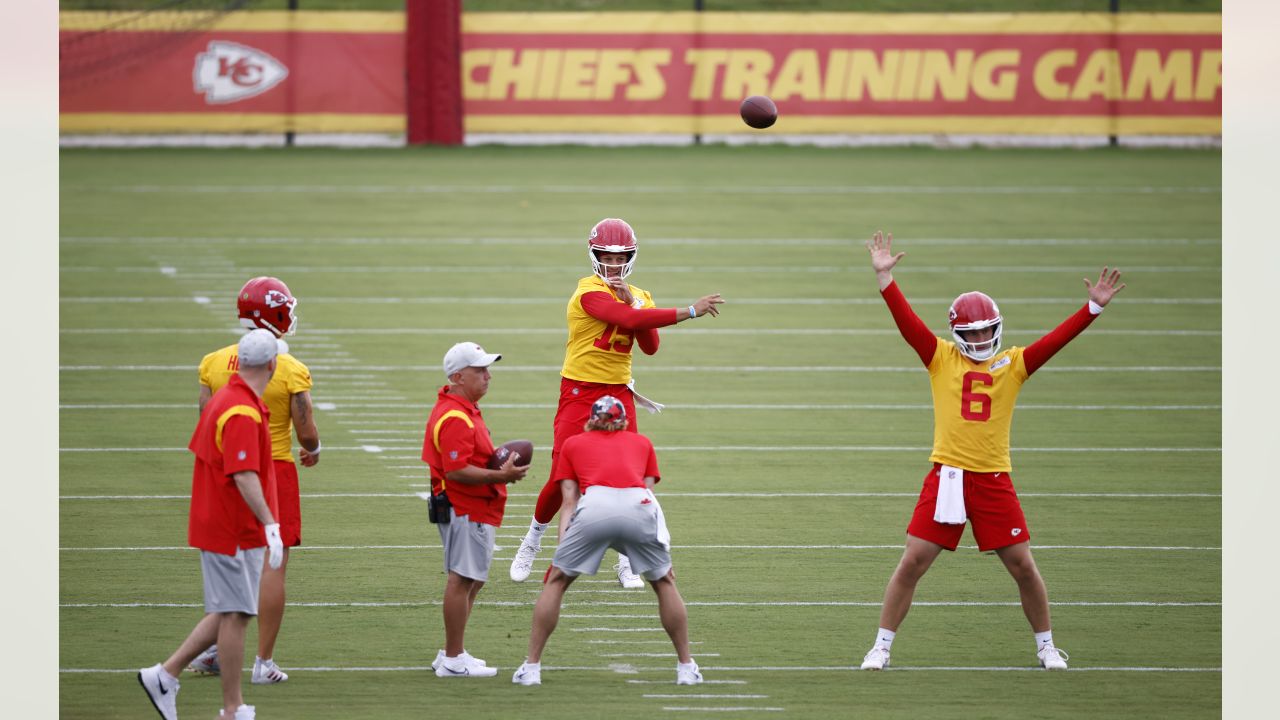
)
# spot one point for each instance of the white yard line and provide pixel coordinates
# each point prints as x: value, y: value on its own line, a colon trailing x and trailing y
x: 653, y: 603
x: 417, y: 419
x: 680, y: 190
x: 716, y: 448
x: 662, y: 496
x: 771, y: 668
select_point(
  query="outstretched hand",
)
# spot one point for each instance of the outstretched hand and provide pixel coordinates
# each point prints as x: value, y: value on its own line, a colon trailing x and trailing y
x: 881, y: 248
x: 1106, y: 287
x: 706, y: 305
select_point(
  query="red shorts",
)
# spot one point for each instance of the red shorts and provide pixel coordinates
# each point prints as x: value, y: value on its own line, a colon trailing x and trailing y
x: 290, y: 516
x: 989, y: 501
x: 576, y: 398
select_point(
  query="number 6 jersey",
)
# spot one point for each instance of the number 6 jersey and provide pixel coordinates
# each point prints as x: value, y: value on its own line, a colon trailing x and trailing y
x: 973, y: 399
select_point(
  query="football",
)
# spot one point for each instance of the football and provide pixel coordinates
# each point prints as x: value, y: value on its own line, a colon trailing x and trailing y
x: 758, y: 111
x: 523, y: 448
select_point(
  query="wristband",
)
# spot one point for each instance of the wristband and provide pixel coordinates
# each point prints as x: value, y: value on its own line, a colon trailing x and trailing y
x: 317, y: 450
x: 692, y: 313
x: 1094, y: 308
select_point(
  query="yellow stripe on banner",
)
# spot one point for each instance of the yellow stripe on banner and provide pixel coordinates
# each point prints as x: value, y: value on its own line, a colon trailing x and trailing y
x: 841, y: 23
x: 187, y: 123
x: 245, y: 20
x: 879, y: 125
x: 230, y: 413
x: 435, y: 432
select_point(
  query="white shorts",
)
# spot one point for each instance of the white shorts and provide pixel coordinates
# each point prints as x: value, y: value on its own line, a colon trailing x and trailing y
x: 628, y: 520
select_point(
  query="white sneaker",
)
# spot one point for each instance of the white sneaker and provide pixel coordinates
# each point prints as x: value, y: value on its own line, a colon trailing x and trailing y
x: 1051, y: 658
x: 266, y: 672
x: 244, y: 712
x: 688, y: 675
x: 626, y: 578
x: 206, y: 663
x: 163, y: 695
x: 464, y: 666
x: 435, y: 664
x: 522, y: 564
x: 877, y: 659
x: 528, y: 674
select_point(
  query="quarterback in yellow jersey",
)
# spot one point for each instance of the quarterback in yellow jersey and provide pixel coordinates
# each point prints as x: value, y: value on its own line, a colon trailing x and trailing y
x: 265, y: 302
x: 607, y: 318
x: 974, y: 389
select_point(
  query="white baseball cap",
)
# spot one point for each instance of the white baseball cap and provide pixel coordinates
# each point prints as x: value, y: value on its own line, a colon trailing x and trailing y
x: 258, y: 348
x: 465, y: 355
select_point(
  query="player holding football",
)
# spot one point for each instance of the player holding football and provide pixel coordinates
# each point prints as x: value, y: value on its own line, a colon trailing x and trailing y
x: 265, y: 302
x: 975, y: 387
x: 607, y: 317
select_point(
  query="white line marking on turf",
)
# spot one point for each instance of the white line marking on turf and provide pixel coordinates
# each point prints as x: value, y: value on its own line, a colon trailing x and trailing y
x: 682, y: 190
x: 773, y: 668
x: 653, y: 655
x: 414, y: 419
x: 705, y: 696
x: 726, y: 709
x: 620, y: 630
x: 638, y: 642
x: 559, y: 300
x: 311, y: 548
x: 576, y: 270
x: 560, y: 242
x: 725, y: 448
x: 718, y: 603
x: 704, y: 682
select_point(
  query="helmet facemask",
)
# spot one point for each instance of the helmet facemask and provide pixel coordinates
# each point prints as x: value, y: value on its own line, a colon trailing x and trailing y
x: 602, y: 270
x: 984, y: 350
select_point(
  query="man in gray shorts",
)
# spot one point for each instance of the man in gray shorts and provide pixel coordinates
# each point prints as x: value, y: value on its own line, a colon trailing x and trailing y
x: 467, y: 498
x: 606, y: 480
x: 232, y: 521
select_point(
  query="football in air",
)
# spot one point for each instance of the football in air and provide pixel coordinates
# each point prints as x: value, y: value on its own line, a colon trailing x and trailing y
x: 759, y: 112
x: 522, y: 448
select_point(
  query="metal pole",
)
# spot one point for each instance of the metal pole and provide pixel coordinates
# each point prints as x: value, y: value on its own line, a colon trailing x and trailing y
x: 697, y: 106
x: 290, y: 97
x: 1115, y: 10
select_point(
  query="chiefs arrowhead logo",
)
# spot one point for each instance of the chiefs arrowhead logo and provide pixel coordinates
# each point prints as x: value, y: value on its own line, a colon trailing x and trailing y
x: 227, y: 72
x: 275, y: 299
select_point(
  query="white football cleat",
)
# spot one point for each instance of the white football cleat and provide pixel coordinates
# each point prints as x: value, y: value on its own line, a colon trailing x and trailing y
x: 626, y: 578
x: 528, y: 674
x: 1051, y: 658
x: 688, y: 675
x: 163, y: 695
x: 435, y: 664
x: 464, y: 666
x: 266, y: 672
x: 522, y: 564
x: 877, y: 659
x: 206, y: 663
x: 244, y: 712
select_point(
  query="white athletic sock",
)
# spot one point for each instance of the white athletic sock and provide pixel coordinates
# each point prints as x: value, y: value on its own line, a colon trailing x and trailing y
x: 1044, y: 639
x: 536, y: 530
x: 884, y: 638
x: 533, y: 666
x: 686, y: 666
x: 166, y: 678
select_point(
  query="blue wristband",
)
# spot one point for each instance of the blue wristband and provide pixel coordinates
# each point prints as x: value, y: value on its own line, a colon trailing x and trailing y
x: 692, y: 313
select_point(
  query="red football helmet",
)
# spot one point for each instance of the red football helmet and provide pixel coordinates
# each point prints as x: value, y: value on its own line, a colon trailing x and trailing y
x: 265, y: 302
x: 608, y: 409
x: 975, y: 311
x: 612, y: 235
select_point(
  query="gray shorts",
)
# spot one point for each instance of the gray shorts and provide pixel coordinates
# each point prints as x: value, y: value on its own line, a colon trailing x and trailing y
x: 231, y: 581
x: 468, y: 546
x: 628, y: 520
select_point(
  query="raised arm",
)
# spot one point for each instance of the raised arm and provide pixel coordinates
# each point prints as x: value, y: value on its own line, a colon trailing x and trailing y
x: 913, y: 329
x: 1039, y: 352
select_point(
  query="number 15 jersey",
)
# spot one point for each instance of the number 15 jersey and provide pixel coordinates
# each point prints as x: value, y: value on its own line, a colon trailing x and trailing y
x: 598, y: 351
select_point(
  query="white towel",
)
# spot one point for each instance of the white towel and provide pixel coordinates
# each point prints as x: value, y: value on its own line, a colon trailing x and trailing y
x: 949, y: 508
x: 644, y: 402
x: 664, y: 535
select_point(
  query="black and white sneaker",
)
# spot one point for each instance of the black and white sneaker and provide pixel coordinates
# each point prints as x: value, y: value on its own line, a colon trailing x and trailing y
x: 163, y: 695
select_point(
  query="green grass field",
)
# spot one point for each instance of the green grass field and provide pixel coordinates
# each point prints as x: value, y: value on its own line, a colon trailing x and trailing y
x: 792, y: 448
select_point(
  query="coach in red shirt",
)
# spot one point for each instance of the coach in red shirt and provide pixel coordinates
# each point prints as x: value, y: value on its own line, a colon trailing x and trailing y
x: 606, y: 482
x: 468, y: 499
x: 232, y: 522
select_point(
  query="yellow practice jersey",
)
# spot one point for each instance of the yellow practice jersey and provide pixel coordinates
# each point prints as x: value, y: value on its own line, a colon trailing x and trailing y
x: 291, y: 377
x: 597, y: 351
x: 973, y: 407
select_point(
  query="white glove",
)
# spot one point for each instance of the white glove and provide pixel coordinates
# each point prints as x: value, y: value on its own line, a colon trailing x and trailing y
x: 275, y: 546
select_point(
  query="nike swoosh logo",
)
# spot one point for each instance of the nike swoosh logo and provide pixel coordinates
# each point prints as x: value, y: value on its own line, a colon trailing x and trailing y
x: 451, y: 671
x: 161, y: 686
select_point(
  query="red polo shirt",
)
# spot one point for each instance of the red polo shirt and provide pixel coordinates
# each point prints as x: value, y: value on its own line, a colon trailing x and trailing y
x: 612, y: 459
x: 232, y: 436
x: 456, y: 437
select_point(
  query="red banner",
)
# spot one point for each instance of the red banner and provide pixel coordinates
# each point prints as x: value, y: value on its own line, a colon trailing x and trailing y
x: 658, y: 72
